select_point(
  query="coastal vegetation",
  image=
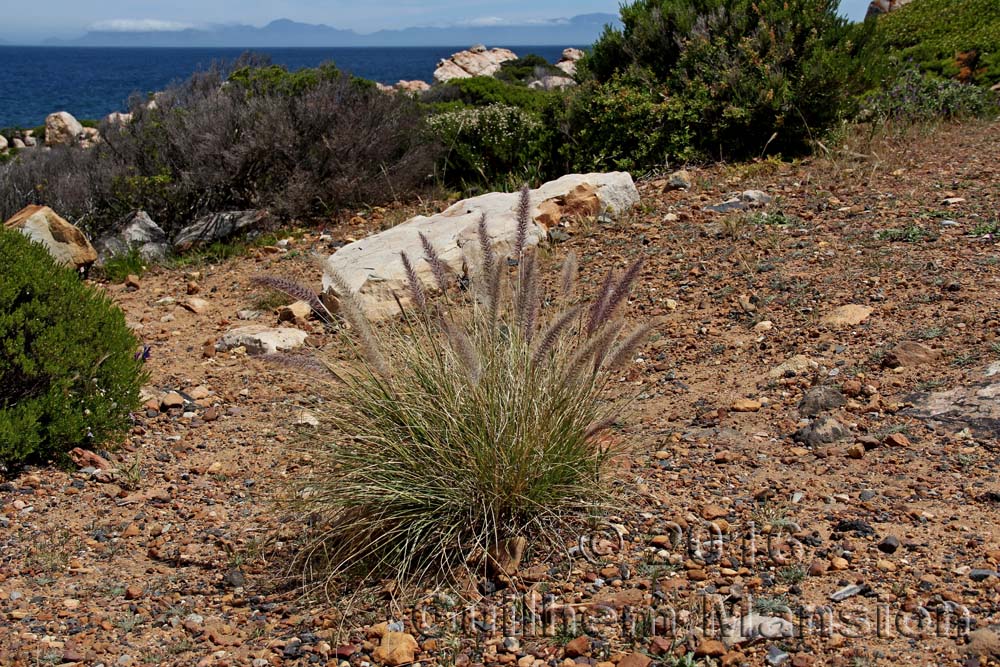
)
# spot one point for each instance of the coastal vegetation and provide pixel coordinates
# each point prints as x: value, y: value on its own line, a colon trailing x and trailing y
x: 70, y: 373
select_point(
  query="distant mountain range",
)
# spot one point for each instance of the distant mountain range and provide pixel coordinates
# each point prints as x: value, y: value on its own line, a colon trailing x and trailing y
x: 578, y: 30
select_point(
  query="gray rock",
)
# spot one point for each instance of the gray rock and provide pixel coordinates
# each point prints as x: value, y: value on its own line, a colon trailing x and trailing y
x: 822, y: 431
x: 753, y: 626
x: 821, y: 399
x: 775, y: 656
x: 889, y: 545
x: 982, y: 575
x: 756, y: 197
x: 139, y: 232
x: 849, y: 592
x: 679, y: 180
x: 259, y: 339
x: 727, y: 206
x: 974, y: 407
x: 235, y: 579
x: 218, y: 227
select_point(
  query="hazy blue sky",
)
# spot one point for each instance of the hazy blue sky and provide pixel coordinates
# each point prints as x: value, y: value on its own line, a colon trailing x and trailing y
x: 68, y: 17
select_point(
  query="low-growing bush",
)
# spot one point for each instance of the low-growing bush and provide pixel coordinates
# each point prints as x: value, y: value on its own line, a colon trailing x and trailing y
x: 484, y: 144
x: 475, y: 423
x: 916, y: 97
x: 298, y: 144
x: 69, y: 375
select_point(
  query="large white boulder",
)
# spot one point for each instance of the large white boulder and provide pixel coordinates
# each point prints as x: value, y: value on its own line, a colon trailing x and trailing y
x: 477, y: 61
x: 570, y: 57
x: 3, y: 144
x: 65, y: 243
x: 62, y: 129
x: 373, y: 269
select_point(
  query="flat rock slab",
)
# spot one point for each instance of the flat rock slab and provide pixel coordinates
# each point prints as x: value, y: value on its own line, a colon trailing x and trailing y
x: 373, y: 269
x: 975, y: 407
x: 847, y: 316
x: 262, y: 340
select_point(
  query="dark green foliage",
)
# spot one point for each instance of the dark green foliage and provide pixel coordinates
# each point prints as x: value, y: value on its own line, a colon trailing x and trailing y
x: 527, y: 69
x: 495, y: 133
x: 751, y: 76
x: 68, y: 372
x: 948, y: 37
x: 483, y: 90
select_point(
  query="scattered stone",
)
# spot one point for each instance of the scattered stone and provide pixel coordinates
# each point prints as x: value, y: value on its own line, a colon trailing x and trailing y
x: 577, y: 647
x: 823, y: 430
x: 910, y: 354
x: 235, y: 579
x: 847, y: 316
x: 849, y: 592
x: 710, y: 648
x: 62, y: 129
x: 856, y: 451
x: 65, y: 243
x: 396, y: 649
x: 727, y: 206
x: 171, y: 401
x: 306, y: 418
x: 897, y: 440
x: 979, y: 575
x: 889, y: 545
x: 138, y: 231
x: 984, y: 643
x: 821, y: 399
x: 195, y: 305
x: 679, y: 180
x: 857, y: 526
x: 635, y: 660
x: 797, y: 365
x: 296, y: 312
x: 259, y: 339
x: 132, y: 281
x: 775, y: 656
x: 756, y: 197
x: 746, y: 405
x: 218, y: 227
x: 753, y: 627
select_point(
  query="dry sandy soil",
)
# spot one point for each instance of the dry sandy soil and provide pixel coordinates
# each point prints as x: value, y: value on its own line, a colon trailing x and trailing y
x: 178, y: 557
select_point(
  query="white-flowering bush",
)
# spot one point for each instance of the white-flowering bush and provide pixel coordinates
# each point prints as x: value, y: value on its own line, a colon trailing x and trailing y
x: 484, y: 142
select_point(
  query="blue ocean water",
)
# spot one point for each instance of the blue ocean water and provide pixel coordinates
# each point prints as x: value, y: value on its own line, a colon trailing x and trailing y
x: 92, y: 82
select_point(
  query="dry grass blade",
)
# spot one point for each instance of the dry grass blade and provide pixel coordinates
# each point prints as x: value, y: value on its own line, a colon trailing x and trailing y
x: 438, y: 268
x: 623, y: 352
x: 296, y: 291
x: 413, y: 284
x: 523, y: 220
x: 552, y: 334
x: 527, y: 297
x: 302, y: 362
x: 351, y: 311
x: 567, y: 279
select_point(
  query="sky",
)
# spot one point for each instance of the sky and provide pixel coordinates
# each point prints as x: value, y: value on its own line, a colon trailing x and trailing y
x: 67, y: 18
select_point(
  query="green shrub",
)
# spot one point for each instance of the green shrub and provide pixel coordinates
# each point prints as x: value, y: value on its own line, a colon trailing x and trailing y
x: 464, y: 429
x: 617, y: 125
x: 68, y: 369
x: 484, y: 144
x: 482, y: 91
x: 527, y: 69
x: 756, y: 75
x: 915, y: 97
x: 933, y: 34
